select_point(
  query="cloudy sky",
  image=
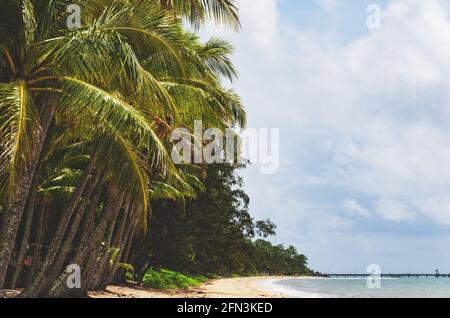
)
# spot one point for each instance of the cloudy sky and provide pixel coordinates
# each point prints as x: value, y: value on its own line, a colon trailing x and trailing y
x: 364, y: 119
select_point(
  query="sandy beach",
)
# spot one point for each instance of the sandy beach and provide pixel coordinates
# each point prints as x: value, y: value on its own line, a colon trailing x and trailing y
x: 222, y: 288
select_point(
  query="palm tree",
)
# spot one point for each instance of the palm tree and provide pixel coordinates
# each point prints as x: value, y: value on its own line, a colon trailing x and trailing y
x: 50, y: 72
x: 198, y: 12
x: 109, y: 93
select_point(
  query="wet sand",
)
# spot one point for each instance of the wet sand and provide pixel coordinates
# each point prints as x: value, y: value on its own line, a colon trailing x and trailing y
x: 223, y: 288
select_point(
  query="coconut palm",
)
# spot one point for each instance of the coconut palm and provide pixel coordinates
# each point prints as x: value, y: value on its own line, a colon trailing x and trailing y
x: 48, y: 73
x: 199, y: 11
x: 86, y: 116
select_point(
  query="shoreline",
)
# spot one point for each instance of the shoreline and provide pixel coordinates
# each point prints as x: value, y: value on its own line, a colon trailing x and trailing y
x: 245, y: 287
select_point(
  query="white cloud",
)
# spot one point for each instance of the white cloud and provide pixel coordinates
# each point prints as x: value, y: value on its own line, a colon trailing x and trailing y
x: 379, y: 103
x: 354, y: 208
x: 393, y: 210
x: 436, y: 207
x: 328, y: 4
x: 367, y: 118
x: 382, y: 103
x: 260, y: 23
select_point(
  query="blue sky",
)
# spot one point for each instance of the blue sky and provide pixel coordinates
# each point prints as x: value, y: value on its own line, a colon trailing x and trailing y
x: 344, y: 18
x: 363, y: 117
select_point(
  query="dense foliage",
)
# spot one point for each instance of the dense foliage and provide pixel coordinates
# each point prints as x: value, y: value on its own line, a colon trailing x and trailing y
x: 166, y: 279
x: 214, y: 233
x: 86, y: 116
x: 278, y: 260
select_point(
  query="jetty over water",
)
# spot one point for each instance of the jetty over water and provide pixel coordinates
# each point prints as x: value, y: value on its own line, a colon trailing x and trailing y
x: 387, y: 275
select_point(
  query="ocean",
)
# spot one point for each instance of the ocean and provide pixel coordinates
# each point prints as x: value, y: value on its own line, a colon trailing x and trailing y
x: 357, y: 288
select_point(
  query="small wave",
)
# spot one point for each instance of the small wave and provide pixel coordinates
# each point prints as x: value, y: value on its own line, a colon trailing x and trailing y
x: 276, y: 286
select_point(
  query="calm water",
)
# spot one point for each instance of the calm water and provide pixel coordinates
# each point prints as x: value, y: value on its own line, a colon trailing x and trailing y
x: 357, y: 288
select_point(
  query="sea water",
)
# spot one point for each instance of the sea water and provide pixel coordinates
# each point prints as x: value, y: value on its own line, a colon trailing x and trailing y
x: 358, y: 288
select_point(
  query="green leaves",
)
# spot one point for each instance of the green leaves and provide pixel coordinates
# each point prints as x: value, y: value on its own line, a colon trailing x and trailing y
x: 215, y: 57
x: 18, y: 118
x: 128, y: 76
x: 106, y: 96
x: 29, y: 24
x: 80, y: 96
x: 199, y: 11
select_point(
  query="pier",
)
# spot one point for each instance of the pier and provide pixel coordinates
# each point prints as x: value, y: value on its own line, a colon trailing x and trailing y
x: 387, y: 275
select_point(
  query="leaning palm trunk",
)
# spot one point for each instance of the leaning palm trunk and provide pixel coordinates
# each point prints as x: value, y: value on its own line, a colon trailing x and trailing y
x: 111, y: 255
x: 66, y: 246
x: 87, y: 228
x: 16, y: 206
x: 107, y: 269
x: 103, y: 264
x: 27, y: 231
x: 124, y: 240
x: 37, y: 286
x: 42, y: 220
x: 89, y: 244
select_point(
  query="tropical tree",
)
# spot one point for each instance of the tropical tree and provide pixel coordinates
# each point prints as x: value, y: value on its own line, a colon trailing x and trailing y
x: 199, y: 11
x: 213, y: 233
x: 85, y: 121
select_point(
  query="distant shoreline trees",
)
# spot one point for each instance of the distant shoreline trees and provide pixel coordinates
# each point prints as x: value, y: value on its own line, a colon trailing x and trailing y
x: 214, y: 234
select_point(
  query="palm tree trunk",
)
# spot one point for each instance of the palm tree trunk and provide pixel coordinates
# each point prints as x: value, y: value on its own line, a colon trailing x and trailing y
x: 89, y: 270
x: 37, y: 285
x: 98, y: 269
x: 65, y: 249
x: 122, y: 240
x: 92, y: 242
x: 15, y: 209
x: 38, y: 242
x: 29, y: 222
x: 84, y: 235
x: 104, y: 265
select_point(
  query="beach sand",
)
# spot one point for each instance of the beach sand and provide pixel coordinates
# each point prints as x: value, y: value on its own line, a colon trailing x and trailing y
x: 222, y: 288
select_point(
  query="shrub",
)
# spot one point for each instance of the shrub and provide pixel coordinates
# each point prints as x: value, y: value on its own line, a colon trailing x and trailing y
x: 167, y: 279
x: 202, y: 279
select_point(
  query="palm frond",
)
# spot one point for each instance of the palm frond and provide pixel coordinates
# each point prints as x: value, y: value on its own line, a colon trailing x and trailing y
x: 18, y: 117
x: 198, y: 12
